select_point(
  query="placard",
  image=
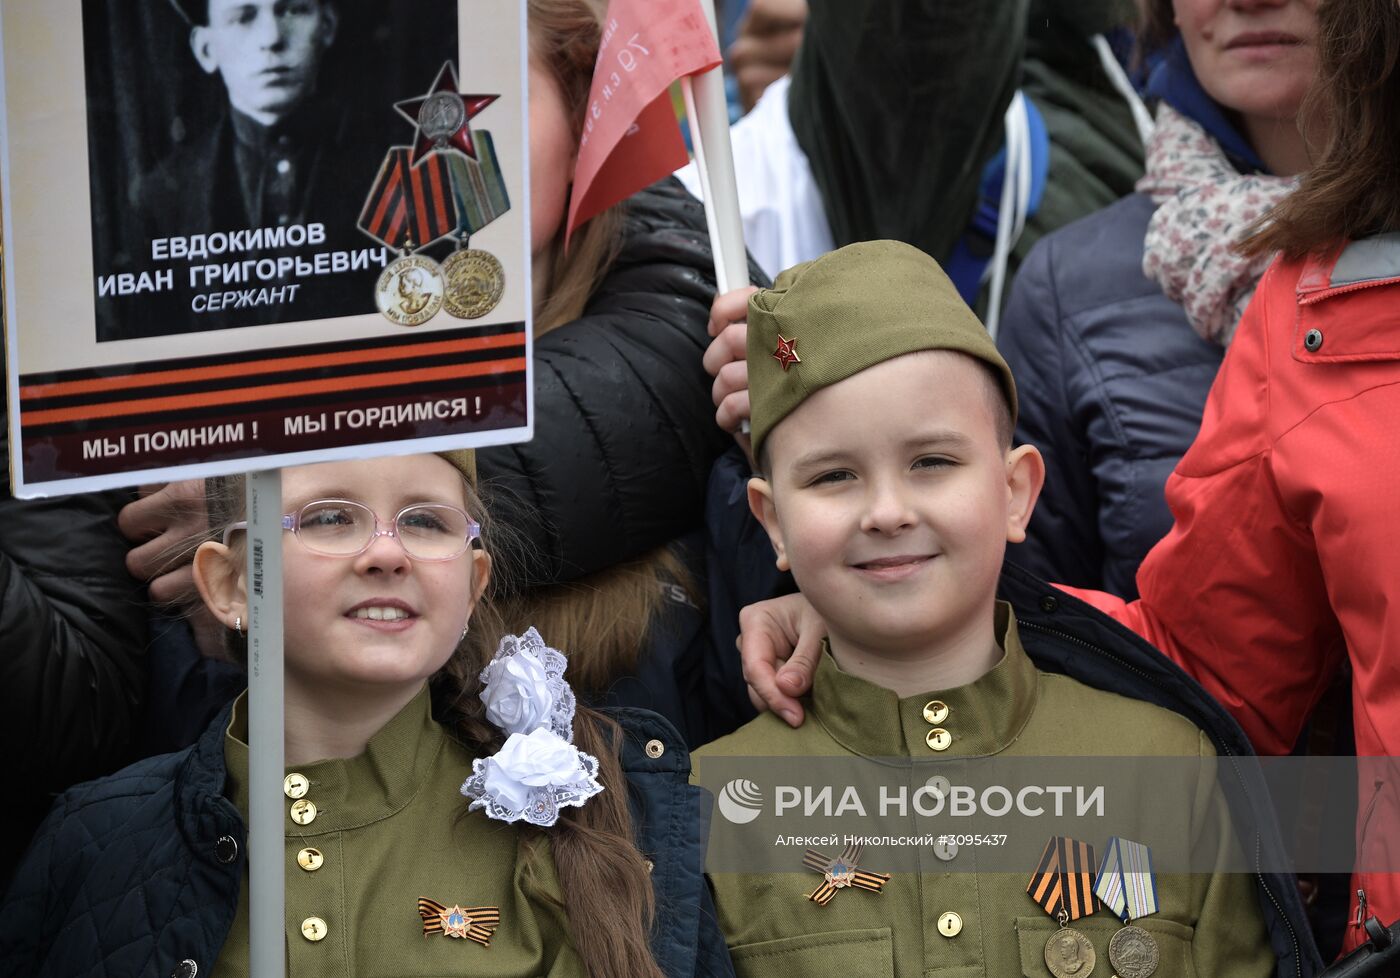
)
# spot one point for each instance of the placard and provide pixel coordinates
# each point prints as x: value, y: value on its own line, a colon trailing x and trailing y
x: 245, y: 234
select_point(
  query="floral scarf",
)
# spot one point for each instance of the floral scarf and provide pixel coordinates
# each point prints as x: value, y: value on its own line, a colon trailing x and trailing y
x: 1204, y: 207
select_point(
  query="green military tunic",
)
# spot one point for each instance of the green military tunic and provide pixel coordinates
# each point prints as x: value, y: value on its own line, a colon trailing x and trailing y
x: 949, y: 922
x: 391, y: 826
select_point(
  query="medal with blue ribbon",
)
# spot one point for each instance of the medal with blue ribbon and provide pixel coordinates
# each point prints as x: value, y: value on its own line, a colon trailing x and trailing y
x: 1128, y: 887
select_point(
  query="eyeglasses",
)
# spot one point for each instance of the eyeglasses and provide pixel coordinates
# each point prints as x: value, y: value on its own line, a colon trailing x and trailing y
x: 343, y: 528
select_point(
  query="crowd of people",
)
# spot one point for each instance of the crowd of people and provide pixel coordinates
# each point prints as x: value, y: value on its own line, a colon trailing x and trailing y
x: 1058, y: 405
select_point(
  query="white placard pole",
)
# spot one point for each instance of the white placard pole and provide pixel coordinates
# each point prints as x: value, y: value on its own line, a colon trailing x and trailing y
x: 708, y: 115
x: 266, y: 805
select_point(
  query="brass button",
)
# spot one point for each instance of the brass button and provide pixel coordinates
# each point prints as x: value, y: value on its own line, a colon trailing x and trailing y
x: 295, y: 786
x: 313, y: 929
x: 655, y: 748
x: 938, y: 739
x: 303, y: 811
x: 939, y: 785
x: 945, y: 849
x: 650, y: 865
x: 935, y: 711
x: 310, y: 859
x: 950, y: 924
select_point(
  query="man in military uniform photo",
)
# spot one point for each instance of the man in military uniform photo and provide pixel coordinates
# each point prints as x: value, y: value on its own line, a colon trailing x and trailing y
x: 272, y: 114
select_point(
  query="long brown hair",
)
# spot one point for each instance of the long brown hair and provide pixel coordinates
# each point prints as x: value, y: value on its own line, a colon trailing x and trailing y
x: 1352, y: 191
x: 564, y: 39
x: 604, y: 880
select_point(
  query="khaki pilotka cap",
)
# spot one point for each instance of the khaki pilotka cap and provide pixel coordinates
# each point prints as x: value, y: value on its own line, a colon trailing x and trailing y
x: 848, y: 310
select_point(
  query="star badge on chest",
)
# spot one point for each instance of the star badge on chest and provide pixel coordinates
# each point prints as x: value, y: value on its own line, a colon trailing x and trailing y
x: 841, y: 873
x: 469, y: 923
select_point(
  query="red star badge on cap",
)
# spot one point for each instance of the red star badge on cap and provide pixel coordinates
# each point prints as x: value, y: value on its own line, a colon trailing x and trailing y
x: 786, y: 353
x: 443, y: 116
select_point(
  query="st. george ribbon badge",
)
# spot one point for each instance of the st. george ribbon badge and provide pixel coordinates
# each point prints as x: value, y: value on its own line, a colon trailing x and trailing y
x: 1128, y: 887
x: 408, y: 208
x: 840, y: 873
x: 443, y: 116
x: 1063, y: 886
x: 471, y: 923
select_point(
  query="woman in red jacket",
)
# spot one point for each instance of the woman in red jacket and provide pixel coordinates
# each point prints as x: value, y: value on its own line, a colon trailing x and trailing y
x: 1285, y: 557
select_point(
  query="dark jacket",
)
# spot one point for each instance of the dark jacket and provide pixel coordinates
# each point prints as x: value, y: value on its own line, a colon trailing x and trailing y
x: 198, y: 190
x: 1112, y: 381
x: 898, y: 108
x: 1064, y: 635
x: 73, y: 630
x: 138, y: 873
x: 624, y: 426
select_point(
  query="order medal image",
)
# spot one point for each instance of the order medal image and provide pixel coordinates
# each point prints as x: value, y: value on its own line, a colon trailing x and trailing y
x: 475, y: 281
x: 410, y: 290
x: 1127, y: 886
x: 447, y: 184
x: 1133, y: 953
x: 1063, y: 886
x: 1068, y: 954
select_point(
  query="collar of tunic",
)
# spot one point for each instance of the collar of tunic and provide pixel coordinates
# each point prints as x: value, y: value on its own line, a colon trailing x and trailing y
x: 983, y: 717
x: 355, y: 791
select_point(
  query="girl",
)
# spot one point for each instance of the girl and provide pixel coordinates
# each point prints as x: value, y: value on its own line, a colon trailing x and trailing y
x: 387, y: 726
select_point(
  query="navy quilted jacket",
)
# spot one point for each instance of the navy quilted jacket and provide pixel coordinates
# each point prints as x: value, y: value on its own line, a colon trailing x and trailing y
x: 136, y: 875
x: 1112, y: 382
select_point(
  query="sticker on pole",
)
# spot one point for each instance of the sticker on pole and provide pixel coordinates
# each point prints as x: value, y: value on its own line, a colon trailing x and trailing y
x: 246, y: 235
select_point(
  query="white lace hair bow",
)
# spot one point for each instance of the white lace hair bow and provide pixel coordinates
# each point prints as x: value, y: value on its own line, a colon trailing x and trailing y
x: 538, y: 770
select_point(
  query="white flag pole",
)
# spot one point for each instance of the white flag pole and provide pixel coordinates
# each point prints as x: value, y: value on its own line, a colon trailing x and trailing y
x: 708, y: 114
x: 267, y: 896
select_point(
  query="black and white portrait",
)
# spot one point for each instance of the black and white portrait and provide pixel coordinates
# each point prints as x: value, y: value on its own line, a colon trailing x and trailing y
x: 222, y: 134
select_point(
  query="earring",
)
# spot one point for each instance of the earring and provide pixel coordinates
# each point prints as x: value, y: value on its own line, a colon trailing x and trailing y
x: 238, y: 625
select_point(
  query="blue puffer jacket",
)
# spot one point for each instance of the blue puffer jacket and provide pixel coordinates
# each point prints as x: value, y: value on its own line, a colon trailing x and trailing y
x: 137, y: 875
x: 1112, y: 381
x: 1111, y: 375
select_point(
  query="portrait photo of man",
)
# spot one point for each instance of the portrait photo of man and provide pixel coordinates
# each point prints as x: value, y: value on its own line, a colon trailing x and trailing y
x: 268, y: 116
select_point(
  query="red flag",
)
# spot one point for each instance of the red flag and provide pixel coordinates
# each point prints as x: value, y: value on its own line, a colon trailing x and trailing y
x: 630, y: 134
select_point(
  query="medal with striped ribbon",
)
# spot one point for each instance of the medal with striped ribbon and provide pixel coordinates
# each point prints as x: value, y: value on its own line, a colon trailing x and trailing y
x: 1063, y: 886
x: 1128, y: 887
x: 410, y: 204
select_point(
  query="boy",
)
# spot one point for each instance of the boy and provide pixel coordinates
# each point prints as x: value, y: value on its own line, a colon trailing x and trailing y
x: 881, y: 424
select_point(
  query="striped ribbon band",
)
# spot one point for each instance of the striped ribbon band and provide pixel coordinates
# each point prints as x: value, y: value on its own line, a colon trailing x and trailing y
x: 1126, y: 883
x: 840, y: 873
x: 478, y: 186
x: 1063, y: 882
x: 410, y: 203
x: 473, y: 923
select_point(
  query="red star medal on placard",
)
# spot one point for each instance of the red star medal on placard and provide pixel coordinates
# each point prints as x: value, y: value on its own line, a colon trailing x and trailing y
x: 443, y: 116
x: 786, y: 353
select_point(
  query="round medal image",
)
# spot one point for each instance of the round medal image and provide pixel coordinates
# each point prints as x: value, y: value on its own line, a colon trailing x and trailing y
x: 441, y: 115
x: 1068, y: 954
x: 410, y: 290
x: 1133, y: 953
x: 475, y: 281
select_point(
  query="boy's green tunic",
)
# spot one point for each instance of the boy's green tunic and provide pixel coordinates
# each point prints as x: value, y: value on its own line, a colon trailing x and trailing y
x: 1208, y: 924
x: 391, y: 826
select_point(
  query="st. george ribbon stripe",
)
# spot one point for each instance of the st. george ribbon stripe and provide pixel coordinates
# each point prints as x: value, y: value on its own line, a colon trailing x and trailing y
x: 409, y: 202
x: 1064, y: 879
